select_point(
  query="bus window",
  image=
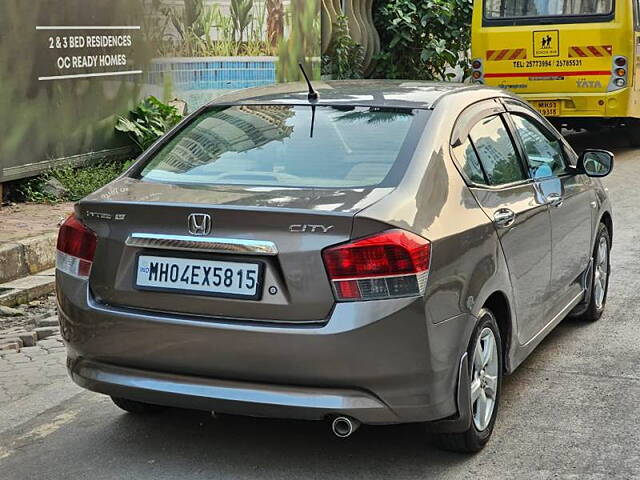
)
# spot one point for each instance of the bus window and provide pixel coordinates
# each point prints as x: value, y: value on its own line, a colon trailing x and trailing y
x: 502, y: 9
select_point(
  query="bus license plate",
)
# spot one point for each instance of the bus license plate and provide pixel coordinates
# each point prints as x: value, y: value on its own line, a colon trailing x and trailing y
x: 547, y: 108
x: 200, y: 277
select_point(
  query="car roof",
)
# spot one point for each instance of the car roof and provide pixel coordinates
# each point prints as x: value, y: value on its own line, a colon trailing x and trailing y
x: 367, y: 93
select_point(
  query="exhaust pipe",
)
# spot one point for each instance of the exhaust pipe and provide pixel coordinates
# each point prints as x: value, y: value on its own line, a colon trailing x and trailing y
x: 343, y: 427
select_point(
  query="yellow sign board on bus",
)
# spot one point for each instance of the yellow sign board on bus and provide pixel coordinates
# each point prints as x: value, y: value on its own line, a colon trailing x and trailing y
x: 546, y: 43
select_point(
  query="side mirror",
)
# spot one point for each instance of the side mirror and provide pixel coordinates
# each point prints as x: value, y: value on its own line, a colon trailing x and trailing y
x: 595, y: 163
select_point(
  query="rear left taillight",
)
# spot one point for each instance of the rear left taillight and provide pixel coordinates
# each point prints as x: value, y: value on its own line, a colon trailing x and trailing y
x: 76, y: 248
x: 391, y: 264
x: 477, y: 71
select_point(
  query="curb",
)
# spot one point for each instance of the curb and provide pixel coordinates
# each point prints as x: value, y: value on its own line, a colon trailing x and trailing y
x: 29, y: 288
x: 27, y: 256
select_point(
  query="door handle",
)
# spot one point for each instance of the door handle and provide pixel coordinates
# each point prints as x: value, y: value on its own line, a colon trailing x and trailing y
x: 504, y: 217
x: 554, y: 199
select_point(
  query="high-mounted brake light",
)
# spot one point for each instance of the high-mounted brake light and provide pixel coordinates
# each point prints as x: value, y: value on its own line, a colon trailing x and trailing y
x: 391, y: 264
x: 76, y: 248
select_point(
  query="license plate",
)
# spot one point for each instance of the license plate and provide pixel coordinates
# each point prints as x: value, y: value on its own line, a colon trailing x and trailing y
x: 200, y: 277
x: 547, y: 108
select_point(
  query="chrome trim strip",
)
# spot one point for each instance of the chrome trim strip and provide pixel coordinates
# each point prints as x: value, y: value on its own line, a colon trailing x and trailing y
x: 202, y: 244
x: 555, y: 320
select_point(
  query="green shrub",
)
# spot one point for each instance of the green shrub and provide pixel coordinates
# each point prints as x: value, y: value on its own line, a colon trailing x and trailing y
x: 345, y: 57
x: 421, y: 39
x: 148, y: 121
x: 79, y: 181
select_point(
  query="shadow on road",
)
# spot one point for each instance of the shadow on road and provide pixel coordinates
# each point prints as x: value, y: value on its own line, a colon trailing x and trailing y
x: 275, y: 448
x: 614, y: 139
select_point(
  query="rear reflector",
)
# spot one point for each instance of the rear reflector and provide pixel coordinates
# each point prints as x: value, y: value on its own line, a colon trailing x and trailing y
x: 391, y: 264
x: 76, y: 248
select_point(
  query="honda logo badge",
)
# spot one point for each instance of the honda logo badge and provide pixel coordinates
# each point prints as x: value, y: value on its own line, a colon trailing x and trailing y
x: 199, y: 224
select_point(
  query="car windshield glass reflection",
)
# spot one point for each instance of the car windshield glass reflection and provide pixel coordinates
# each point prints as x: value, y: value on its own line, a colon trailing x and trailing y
x: 272, y: 146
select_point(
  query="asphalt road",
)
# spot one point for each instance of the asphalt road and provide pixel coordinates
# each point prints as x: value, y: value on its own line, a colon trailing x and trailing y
x: 572, y: 410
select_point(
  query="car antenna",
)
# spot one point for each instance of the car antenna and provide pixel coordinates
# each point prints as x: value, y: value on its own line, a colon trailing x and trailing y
x: 313, y: 95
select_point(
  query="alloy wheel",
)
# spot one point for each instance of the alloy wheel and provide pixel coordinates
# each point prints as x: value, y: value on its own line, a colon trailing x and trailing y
x: 601, y: 273
x: 484, y: 379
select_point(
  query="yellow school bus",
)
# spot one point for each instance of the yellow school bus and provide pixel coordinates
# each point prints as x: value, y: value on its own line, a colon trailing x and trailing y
x: 573, y: 60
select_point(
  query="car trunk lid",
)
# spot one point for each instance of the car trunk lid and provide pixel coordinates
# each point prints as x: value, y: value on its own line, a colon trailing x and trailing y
x: 283, y: 230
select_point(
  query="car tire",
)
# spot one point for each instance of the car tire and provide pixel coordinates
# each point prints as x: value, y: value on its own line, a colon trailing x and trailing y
x: 599, y: 284
x: 138, y: 408
x: 477, y: 435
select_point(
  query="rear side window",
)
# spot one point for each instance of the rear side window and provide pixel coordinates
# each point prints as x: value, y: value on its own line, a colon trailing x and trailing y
x: 470, y: 162
x: 290, y: 146
x: 497, y: 153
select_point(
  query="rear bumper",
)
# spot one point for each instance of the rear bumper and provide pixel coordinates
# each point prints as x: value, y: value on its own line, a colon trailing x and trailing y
x: 243, y: 398
x: 596, y: 105
x: 379, y: 361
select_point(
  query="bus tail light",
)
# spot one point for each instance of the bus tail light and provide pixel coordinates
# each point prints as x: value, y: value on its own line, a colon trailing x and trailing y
x: 391, y: 264
x: 619, y: 72
x: 477, y: 71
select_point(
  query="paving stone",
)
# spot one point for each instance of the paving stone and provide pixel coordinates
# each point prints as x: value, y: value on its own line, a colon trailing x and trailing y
x: 48, y: 322
x: 10, y: 312
x: 33, y: 349
x: 12, y: 339
x: 61, y: 348
x: 7, y: 353
x: 10, y: 346
x: 21, y: 358
x: 44, y: 332
x: 28, y: 338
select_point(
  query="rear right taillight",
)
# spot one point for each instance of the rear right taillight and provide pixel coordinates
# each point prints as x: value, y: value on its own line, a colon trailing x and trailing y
x: 391, y: 264
x: 619, y: 73
x: 76, y: 248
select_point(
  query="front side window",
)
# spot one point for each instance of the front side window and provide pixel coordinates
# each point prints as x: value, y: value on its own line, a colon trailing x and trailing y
x: 496, y: 151
x: 544, y: 153
x: 505, y: 9
x: 290, y: 146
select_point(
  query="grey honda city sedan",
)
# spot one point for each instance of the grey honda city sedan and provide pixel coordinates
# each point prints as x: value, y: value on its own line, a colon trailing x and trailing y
x: 371, y: 252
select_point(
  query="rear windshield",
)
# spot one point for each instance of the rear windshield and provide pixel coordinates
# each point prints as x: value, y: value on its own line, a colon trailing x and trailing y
x: 294, y: 146
x: 531, y: 9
